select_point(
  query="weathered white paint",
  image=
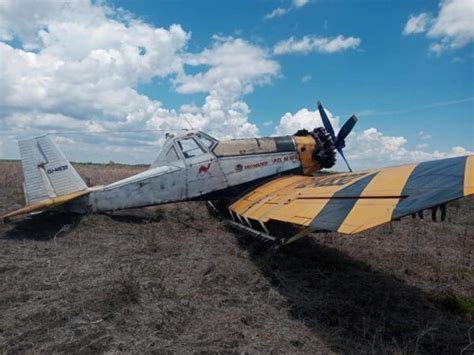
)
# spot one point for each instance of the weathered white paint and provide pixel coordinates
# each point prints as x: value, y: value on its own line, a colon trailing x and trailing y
x: 180, y: 176
x: 185, y: 178
x: 46, y: 171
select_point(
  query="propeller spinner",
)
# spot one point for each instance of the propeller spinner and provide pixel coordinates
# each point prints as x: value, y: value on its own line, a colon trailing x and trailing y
x: 339, y: 140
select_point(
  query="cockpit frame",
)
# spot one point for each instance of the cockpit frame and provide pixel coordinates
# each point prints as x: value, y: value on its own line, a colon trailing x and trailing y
x: 203, y: 141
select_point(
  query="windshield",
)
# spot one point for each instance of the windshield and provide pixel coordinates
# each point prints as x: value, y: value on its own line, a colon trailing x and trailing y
x: 190, y: 148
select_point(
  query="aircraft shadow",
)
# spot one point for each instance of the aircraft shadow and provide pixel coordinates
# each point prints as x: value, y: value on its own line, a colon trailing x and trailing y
x: 133, y: 217
x: 353, y: 308
x: 43, y: 227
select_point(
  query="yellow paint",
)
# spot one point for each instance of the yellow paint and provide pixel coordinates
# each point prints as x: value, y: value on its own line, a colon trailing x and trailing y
x: 368, y: 213
x: 45, y: 204
x: 305, y: 147
x: 243, y: 204
x: 469, y: 176
x: 272, y: 197
x: 296, y: 199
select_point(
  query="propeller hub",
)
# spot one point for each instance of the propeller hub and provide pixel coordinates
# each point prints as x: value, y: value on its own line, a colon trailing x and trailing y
x: 325, y: 153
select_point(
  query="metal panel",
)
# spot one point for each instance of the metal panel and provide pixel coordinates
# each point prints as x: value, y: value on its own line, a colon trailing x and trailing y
x: 156, y: 186
x: 47, y: 173
x: 241, y: 147
x: 239, y: 170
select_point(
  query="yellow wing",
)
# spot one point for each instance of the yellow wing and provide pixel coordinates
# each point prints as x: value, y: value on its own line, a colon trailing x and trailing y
x: 352, y: 202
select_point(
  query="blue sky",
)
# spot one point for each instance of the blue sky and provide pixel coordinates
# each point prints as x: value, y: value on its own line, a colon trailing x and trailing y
x: 413, y: 85
x: 388, y: 73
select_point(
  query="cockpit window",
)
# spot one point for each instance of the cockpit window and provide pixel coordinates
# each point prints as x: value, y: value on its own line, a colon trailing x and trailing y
x: 190, y: 148
x: 171, y: 155
x: 209, y: 143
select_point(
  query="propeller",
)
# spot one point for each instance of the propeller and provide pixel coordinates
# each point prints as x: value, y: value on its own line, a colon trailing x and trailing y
x: 339, y: 140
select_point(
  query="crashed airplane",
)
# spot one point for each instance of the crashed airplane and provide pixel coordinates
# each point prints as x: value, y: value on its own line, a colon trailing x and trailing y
x: 268, y: 187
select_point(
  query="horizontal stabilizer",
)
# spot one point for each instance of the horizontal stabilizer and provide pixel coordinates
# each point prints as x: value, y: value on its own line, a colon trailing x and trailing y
x: 44, y: 204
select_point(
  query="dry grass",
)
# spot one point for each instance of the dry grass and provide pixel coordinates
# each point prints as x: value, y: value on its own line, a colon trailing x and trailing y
x: 173, y: 279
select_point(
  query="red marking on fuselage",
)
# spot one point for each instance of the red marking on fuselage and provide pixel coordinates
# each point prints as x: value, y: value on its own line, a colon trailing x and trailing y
x: 203, y: 170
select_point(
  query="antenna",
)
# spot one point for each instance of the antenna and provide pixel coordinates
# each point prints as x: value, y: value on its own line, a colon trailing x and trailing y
x: 189, y: 123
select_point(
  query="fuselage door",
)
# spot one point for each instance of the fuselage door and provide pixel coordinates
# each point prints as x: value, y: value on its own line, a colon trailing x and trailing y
x: 203, y: 172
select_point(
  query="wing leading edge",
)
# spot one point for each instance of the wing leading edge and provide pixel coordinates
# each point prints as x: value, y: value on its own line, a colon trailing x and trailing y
x: 353, y: 202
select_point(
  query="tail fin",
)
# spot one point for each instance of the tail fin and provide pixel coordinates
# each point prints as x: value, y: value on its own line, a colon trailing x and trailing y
x: 47, y: 173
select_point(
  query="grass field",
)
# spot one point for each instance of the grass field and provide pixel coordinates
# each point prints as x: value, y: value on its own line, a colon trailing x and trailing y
x: 173, y: 279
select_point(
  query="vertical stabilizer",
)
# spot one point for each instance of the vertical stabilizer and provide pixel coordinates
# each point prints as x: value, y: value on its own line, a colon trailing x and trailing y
x: 47, y: 173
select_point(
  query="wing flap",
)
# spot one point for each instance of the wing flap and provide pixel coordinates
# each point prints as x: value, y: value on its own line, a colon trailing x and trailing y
x: 351, y: 203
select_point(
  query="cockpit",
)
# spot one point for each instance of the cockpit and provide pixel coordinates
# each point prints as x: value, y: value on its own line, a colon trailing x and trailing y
x: 178, y: 149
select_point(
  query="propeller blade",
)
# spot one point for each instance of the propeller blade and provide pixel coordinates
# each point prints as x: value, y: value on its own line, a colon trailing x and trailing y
x: 327, y: 124
x: 339, y: 142
x: 345, y: 130
x: 343, y: 157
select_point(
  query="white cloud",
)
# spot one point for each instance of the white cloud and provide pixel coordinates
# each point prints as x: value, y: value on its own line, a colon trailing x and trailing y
x: 85, y: 65
x: 369, y: 148
x: 417, y: 24
x: 424, y: 135
x: 316, y: 44
x: 80, y: 64
x: 235, y: 67
x: 303, y: 119
x: 278, y: 12
x: 300, y: 3
x: 452, y: 28
x: 372, y: 148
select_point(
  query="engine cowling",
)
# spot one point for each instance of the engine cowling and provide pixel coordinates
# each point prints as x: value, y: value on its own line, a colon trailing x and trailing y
x: 316, y: 150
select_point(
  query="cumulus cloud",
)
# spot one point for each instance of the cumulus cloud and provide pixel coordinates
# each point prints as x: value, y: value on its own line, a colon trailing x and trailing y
x: 317, y: 44
x: 85, y: 64
x: 235, y: 66
x: 451, y: 29
x: 368, y: 148
x: 303, y: 119
x: 79, y: 64
x: 372, y: 148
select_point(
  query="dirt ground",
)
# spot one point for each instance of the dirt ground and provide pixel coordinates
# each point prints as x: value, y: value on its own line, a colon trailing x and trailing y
x: 172, y: 279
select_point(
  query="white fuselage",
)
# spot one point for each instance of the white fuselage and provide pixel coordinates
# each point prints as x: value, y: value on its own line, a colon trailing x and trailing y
x: 189, y: 179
